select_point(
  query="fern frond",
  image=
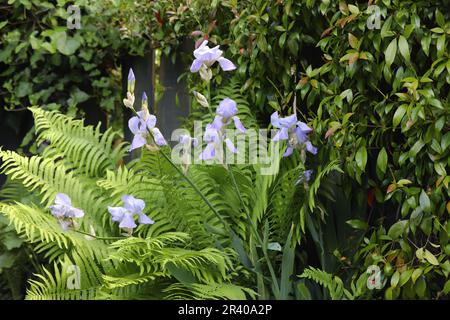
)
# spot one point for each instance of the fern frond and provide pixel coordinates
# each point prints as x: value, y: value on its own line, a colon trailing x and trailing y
x: 91, y: 151
x: 55, y: 286
x: 197, y: 291
x: 50, y: 178
x: 333, y: 284
x: 154, y: 256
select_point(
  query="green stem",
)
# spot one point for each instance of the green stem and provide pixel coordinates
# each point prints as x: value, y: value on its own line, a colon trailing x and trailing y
x: 99, y: 238
x: 208, y: 88
x: 255, y: 231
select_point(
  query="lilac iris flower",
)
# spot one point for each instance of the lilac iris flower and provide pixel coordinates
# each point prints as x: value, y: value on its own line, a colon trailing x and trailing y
x: 64, y: 212
x: 296, y: 132
x: 215, y: 132
x: 140, y: 124
x: 125, y: 214
x: 206, y: 56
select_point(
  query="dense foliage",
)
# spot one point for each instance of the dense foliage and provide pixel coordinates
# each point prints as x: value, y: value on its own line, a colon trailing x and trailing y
x: 377, y: 97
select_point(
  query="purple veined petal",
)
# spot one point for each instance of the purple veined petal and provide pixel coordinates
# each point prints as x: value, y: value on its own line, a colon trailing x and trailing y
x: 230, y: 145
x: 310, y: 148
x: 128, y: 221
x: 135, y: 124
x: 151, y: 121
x: 217, y: 123
x: 58, y: 210
x: 75, y: 213
x: 138, y: 141
x: 117, y: 213
x: 275, y: 120
x: 62, y: 198
x: 307, y: 174
x: 301, y: 135
x: 211, y: 133
x: 144, y: 219
x: 226, y: 64
x: 238, y: 124
x: 209, y: 153
x: 289, y: 121
x: 289, y: 150
x: 227, y: 108
x: 282, y: 134
x: 159, y: 138
x: 196, y: 65
x: 303, y: 127
x: 195, y: 142
x: 132, y: 204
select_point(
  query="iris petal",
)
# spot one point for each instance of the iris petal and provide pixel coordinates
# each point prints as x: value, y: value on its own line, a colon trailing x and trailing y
x: 289, y: 150
x: 209, y: 152
x: 227, y: 108
x: 76, y: 213
x: 127, y: 221
x: 138, y: 141
x: 284, y: 134
x: 134, y: 124
x: 159, y: 138
x: 303, y: 127
x: 311, y: 148
x: 226, y: 64
x: 62, y: 198
x: 196, y: 65
x: 289, y: 121
x: 117, y: 213
x: 301, y: 135
x: 151, y: 121
x: 132, y: 204
x: 217, y: 123
x: 275, y: 120
x: 143, y: 219
x: 230, y: 146
x: 238, y: 124
x: 58, y: 210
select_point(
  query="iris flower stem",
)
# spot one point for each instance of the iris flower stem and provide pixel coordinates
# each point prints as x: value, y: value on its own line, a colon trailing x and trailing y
x: 255, y: 231
x: 208, y: 88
